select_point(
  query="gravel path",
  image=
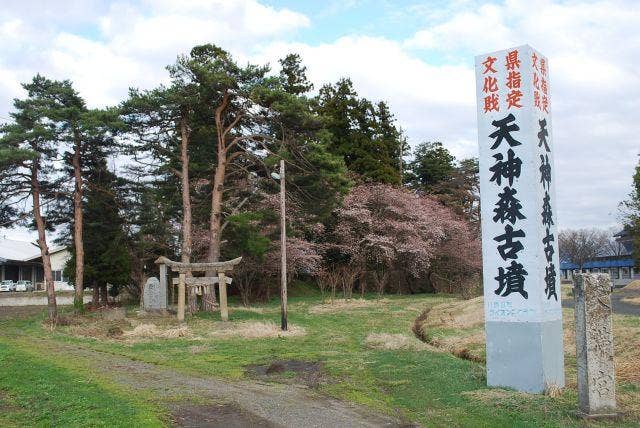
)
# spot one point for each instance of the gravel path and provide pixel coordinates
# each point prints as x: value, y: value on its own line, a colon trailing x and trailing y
x: 239, y: 403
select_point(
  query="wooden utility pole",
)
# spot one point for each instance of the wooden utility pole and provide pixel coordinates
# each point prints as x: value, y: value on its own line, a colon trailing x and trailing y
x: 283, y: 251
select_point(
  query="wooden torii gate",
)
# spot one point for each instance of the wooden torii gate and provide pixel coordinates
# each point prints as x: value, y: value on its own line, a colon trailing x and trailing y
x: 221, y: 268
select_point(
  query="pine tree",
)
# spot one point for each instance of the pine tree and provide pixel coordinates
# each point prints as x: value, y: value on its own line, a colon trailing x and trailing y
x: 432, y: 164
x: 149, y: 227
x: 316, y: 178
x: 632, y: 214
x: 28, y: 151
x: 293, y: 75
x: 363, y: 134
x: 107, y: 256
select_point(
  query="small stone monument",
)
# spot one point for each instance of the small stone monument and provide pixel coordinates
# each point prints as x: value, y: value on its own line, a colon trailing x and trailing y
x: 154, y: 296
x: 594, y: 346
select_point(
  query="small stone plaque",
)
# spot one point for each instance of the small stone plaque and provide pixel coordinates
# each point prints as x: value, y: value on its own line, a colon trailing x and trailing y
x: 154, y: 297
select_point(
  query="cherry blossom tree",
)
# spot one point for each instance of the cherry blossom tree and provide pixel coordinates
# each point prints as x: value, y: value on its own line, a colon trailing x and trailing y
x: 255, y: 236
x: 383, y: 229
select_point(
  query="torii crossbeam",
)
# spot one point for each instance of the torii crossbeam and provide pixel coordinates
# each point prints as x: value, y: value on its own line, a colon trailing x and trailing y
x: 187, y: 268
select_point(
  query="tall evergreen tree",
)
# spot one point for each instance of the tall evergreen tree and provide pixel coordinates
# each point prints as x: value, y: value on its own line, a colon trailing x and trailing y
x: 167, y: 123
x: 80, y: 129
x: 456, y: 184
x: 363, y: 134
x: 293, y: 75
x: 162, y: 123
x: 107, y: 258
x: 632, y: 214
x: 149, y: 227
x: 75, y: 128
x: 432, y: 164
x: 28, y: 151
x: 69, y: 111
x: 316, y: 178
x: 392, y: 140
x: 461, y: 192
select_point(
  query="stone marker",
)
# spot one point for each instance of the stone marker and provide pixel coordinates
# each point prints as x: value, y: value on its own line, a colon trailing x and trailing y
x: 155, y: 296
x: 519, y: 237
x: 222, y: 289
x: 181, y: 293
x: 594, y: 346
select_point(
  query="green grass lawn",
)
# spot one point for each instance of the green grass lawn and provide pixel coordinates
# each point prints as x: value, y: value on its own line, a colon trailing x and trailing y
x: 424, y: 385
x: 37, y: 392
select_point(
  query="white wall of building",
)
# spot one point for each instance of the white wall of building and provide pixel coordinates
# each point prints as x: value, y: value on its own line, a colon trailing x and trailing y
x: 59, y: 259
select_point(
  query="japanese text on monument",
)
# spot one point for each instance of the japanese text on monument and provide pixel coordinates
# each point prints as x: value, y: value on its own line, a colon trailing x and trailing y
x: 519, y: 229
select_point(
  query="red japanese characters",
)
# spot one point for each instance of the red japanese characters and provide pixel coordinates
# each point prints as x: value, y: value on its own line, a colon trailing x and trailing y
x: 490, y: 88
x: 540, y: 85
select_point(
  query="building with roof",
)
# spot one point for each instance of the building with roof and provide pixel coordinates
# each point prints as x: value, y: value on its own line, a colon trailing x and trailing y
x: 621, y: 267
x: 20, y: 260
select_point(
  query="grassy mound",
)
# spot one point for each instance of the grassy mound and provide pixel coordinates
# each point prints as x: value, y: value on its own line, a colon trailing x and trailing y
x: 458, y: 314
x: 254, y: 330
x: 388, y: 341
x: 458, y: 328
x: 632, y: 286
x: 454, y: 327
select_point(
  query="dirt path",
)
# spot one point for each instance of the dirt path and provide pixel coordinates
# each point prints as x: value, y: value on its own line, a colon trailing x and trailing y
x: 240, y: 404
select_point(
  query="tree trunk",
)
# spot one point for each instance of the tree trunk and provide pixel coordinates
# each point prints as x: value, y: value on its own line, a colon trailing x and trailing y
x: 187, y: 239
x: 381, y: 280
x: 216, y: 208
x: 104, y: 298
x: 186, y: 198
x: 141, y: 285
x: 215, y: 222
x: 192, y: 300
x: 209, y: 302
x: 283, y: 251
x: 95, y: 296
x: 42, y: 243
x: 218, y: 183
x: 209, y: 296
x: 78, y: 225
x: 137, y: 273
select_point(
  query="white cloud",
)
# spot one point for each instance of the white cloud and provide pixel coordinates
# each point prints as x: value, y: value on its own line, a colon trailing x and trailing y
x: 430, y: 102
x: 463, y: 29
x: 129, y: 44
x: 594, y: 52
x: 106, y: 48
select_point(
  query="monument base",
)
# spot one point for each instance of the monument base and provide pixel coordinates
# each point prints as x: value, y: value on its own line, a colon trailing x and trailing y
x: 525, y: 356
x: 595, y: 416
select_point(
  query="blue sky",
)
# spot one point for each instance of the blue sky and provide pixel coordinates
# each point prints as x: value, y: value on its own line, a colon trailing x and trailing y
x: 334, y: 19
x: 418, y: 56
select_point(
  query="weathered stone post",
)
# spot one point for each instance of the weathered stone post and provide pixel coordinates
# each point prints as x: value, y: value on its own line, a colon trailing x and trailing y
x: 181, y: 296
x: 594, y: 345
x: 163, y: 283
x: 222, y: 286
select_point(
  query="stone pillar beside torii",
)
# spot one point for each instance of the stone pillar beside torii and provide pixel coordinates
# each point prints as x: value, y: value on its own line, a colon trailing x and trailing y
x: 185, y: 279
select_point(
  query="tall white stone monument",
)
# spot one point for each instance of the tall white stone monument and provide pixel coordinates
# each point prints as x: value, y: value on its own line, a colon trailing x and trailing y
x: 519, y: 228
